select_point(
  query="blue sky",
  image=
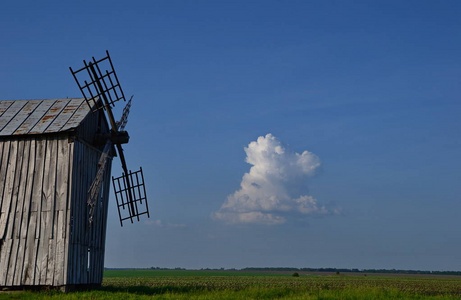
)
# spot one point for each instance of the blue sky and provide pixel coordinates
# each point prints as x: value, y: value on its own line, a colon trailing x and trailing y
x: 369, y: 88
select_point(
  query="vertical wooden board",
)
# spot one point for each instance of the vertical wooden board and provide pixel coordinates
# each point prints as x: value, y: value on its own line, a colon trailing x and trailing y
x: 23, y: 180
x: 15, y: 265
x: 50, y: 271
x: 17, y: 188
x: 12, y: 262
x: 39, y: 173
x: 42, y: 222
x: 11, y: 214
x: 20, y: 117
x: 68, y: 213
x: 3, y: 170
x: 91, y: 230
x: 62, y: 178
x: 104, y: 212
x: 86, y: 256
x: 52, y: 188
x: 49, y: 179
x: 8, y: 189
x: 59, y: 255
x: 26, y: 234
x: 84, y: 264
x: 28, y: 192
x: 2, y: 144
x: 30, y: 254
x: 76, y: 210
x: 42, y: 255
x: 48, y: 204
x: 9, y: 114
x: 82, y: 219
x: 22, y: 213
x: 4, y: 259
x: 57, y: 208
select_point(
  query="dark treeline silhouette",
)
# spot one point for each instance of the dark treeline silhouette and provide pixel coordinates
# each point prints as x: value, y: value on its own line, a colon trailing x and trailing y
x: 388, y: 271
x: 289, y: 269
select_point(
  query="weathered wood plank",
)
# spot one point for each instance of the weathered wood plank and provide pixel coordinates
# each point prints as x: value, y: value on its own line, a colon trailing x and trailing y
x: 8, y: 190
x: 21, y: 183
x: 12, y: 218
x: 21, y: 219
x: 50, y: 271
x: 30, y: 254
x: 17, y: 188
x: 78, y: 165
x: 39, y: 173
x: 62, y: 187
x: 66, y: 232
x: 3, y: 172
x: 4, y: 260
x: 48, y: 204
x: 12, y: 262
x: 52, y: 113
x: 49, y: 180
x: 44, y: 229
x: 60, y: 248
x: 9, y: 114
x: 34, y: 268
x: 4, y: 105
x: 42, y: 256
x: 27, y: 231
x: 51, y: 236
x: 80, y: 113
x: 60, y: 121
x: 20, y: 117
x: 105, y: 206
x: 35, y: 117
x: 62, y: 176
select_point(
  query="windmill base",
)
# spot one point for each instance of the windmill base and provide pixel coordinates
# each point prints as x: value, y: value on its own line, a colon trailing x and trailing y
x: 63, y: 288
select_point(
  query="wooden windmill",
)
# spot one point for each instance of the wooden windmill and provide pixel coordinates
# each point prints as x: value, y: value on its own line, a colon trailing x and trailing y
x: 101, y: 91
x: 55, y: 165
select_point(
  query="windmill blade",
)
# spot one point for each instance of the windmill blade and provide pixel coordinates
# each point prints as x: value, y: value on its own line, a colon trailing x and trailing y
x: 95, y: 187
x: 95, y: 85
x: 130, y: 209
x: 124, y: 119
x: 101, y: 90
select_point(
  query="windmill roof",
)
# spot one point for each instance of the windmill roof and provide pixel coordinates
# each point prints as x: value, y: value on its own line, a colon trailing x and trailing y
x: 20, y: 117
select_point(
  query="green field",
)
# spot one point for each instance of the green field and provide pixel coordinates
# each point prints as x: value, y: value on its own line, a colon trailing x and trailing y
x: 184, y: 284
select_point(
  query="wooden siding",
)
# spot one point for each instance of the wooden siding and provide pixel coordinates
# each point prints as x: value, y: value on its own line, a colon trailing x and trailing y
x: 34, y: 211
x: 87, y: 243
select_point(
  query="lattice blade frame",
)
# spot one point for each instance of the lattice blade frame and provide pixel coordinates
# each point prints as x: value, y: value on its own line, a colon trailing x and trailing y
x: 138, y: 206
x: 96, y: 84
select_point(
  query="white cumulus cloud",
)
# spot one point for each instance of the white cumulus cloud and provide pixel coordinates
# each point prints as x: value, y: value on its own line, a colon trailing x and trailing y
x: 274, y: 188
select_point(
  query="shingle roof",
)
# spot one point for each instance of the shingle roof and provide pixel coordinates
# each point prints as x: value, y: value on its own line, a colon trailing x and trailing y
x: 21, y: 117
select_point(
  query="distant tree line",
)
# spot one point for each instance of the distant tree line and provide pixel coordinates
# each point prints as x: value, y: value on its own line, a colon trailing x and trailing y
x: 288, y: 269
x: 389, y: 271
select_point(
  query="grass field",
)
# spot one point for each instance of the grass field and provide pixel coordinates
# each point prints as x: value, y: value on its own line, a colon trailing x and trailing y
x: 182, y: 284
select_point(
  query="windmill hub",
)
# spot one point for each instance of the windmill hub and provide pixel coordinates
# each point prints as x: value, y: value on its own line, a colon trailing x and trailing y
x: 119, y: 137
x: 116, y: 137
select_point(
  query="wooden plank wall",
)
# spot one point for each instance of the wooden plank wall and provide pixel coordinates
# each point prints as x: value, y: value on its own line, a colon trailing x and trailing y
x: 87, y: 243
x: 35, y: 208
x: 45, y: 237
